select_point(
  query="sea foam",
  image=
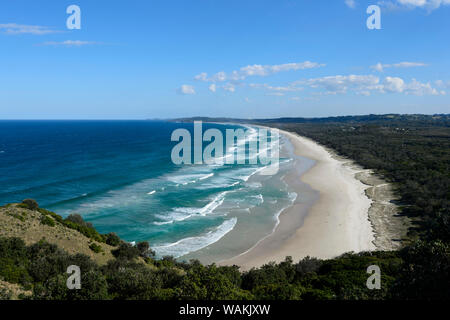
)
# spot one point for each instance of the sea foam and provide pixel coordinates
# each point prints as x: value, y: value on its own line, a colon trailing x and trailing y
x: 187, y: 245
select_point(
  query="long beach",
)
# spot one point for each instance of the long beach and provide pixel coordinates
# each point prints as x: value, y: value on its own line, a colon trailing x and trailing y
x: 337, y: 222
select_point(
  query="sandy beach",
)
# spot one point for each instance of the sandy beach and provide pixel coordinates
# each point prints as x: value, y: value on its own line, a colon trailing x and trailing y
x: 337, y: 222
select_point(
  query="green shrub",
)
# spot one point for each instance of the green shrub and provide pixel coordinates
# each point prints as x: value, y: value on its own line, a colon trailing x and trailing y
x: 78, y: 219
x: 95, y: 247
x: 47, y: 221
x: 76, y: 222
x: 20, y: 217
x: 14, y: 261
x: 46, y: 260
x: 112, y: 239
x: 5, y: 294
x: 130, y: 280
x: 55, y: 216
x: 126, y: 251
x: 93, y: 287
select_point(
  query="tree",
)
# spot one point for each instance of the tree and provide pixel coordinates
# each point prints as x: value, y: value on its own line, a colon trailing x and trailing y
x: 31, y: 204
x: 126, y: 251
x: 112, y: 239
x: 144, y: 249
x: 78, y: 219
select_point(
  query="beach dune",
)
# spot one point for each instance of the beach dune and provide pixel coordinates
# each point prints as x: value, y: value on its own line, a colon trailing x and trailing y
x: 336, y: 223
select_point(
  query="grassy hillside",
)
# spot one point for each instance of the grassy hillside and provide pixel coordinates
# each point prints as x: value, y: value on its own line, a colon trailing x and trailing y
x: 17, y: 220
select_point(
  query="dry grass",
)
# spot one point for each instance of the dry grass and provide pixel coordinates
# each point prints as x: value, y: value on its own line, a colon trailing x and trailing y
x: 26, y: 224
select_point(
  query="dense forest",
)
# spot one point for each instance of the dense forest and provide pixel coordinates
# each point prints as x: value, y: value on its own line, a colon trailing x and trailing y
x: 412, y: 152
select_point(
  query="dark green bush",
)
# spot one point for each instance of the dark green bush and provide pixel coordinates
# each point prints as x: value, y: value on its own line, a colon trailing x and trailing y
x: 112, y: 239
x: 78, y: 219
x: 14, y: 261
x: 93, y: 287
x: 46, y: 261
x: 130, y: 280
x: 76, y: 222
x: 47, y: 221
x: 126, y: 251
x: 95, y: 247
x: 31, y: 204
x: 144, y: 249
x: 55, y: 216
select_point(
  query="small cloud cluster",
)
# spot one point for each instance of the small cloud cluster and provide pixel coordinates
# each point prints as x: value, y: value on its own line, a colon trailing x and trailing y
x: 443, y: 84
x: 18, y: 29
x: 366, y: 84
x: 359, y: 84
x: 428, y: 5
x: 276, y: 90
x: 14, y: 28
x: 212, y: 87
x: 397, y: 85
x: 256, y: 70
x: 350, y: 3
x: 327, y: 85
x: 340, y: 84
x: 380, y: 67
x: 186, y: 89
x: 233, y: 78
x: 69, y: 43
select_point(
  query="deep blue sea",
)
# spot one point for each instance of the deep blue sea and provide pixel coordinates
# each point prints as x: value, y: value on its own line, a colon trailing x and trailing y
x: 119, y: 176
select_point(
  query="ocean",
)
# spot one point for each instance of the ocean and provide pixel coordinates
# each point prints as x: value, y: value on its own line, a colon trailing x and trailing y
x: 119, y: 176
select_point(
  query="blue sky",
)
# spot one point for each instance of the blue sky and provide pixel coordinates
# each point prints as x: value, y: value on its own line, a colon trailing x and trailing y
x: 161, y: 59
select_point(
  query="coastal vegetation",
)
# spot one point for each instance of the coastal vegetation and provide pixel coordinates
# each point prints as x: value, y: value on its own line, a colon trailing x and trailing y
x: 411, y: 152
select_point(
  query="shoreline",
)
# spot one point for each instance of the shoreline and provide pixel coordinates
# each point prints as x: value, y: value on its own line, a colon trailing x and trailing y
x: 339, y: 221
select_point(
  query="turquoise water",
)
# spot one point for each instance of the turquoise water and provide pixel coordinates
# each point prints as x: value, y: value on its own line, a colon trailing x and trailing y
x: 119, y: 176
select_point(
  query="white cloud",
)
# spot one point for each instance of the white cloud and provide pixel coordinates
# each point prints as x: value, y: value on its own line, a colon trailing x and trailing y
x: 397, y: 85
x: 256, y: 70
x: 350, y: 3
x: 428, y: 5
x: 229, y: 87
x: 70, y: 43
x: 212, y: 87
x: 280, y: 89
x: 341, y: 84
x: 420, y: 89
x: 393, y: 84
x: 366, y: 84
x: 416, y: 3
x: 186, y: 89
x: 442, y: 84
x: 14, y: 28
x: 201, y: 77
x: 220, y: 76
x: 380, y: 67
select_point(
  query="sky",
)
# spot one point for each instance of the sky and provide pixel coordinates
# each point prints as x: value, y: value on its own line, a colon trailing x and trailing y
x: 151, y: 59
